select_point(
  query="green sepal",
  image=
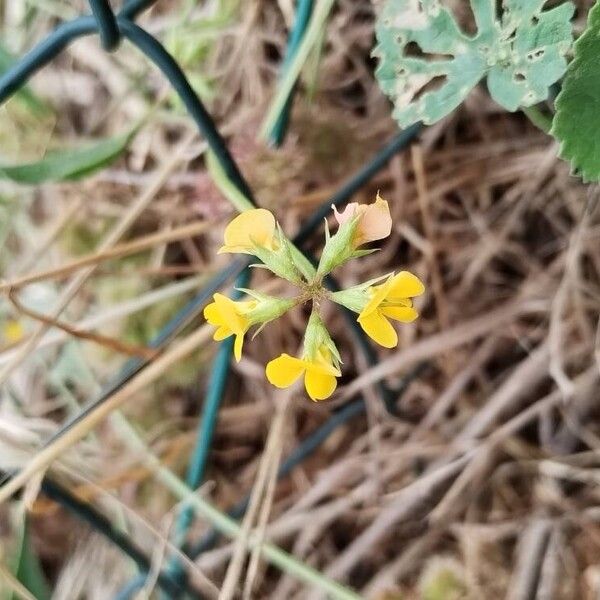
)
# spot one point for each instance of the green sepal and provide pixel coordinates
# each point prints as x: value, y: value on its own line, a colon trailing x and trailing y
x: 316, y: 335
x: 302, y: 263
x: 361, y: 253
x: 279, y: 262
x: 356, y: 298
x: 338, y: 248
x: 268, y: 308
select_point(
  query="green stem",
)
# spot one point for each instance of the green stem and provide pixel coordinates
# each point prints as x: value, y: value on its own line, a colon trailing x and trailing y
x: 239, y: 200
x: 538, y: 118
x: 242, y: 203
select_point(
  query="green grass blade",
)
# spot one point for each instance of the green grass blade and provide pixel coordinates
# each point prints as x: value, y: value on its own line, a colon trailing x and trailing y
x: 68, y: 164
x: 286, y: 85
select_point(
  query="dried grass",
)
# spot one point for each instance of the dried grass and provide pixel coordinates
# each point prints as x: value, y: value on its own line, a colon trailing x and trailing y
x: 490, y: 470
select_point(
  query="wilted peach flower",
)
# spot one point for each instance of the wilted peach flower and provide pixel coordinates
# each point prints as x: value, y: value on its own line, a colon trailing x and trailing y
x: 375, y: 221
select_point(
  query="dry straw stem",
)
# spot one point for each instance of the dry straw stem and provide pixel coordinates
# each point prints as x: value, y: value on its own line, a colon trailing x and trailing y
x: 89, y: 489
x: 144, y: 243
x: 44, y: 458
x: 75, y: 284
x: 122, y: 309
x: 102, y: 340
x: 406, y: 501
x: 55, y: 229
x: 260, y: 495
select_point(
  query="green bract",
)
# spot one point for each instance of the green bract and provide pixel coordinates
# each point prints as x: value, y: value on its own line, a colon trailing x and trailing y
x: 428, y: 65
x: 577, y: 121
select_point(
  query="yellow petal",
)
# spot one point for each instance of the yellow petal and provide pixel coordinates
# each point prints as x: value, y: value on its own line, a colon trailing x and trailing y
x: 404, y: 314
x: 235, y: 250
x: 323, y: 364
x: 379, y: 295
x: 284, y: 370
x: 237, y: 346
x: 212, y: 314
x: 379, y: 329
x: 405, y: 285
x: 245, y: 306
x: 221, y: 333
x: 229, y: 315
x: 256, y: 226
x: 319, y: 385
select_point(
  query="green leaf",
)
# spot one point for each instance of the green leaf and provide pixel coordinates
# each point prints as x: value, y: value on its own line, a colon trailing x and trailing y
x: 577, y: 121
x: 30, y: 572
x: 68, y: 164
x: 428, y: 65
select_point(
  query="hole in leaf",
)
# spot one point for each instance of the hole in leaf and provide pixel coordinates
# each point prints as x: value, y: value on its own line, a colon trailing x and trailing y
x: 499, y: 9
x: 466, y: 18
x: 434, y: 84
x: 413, y: 50
x: 536, y: 55
x: 519, y: 77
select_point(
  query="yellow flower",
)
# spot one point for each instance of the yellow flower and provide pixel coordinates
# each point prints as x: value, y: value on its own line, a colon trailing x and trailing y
x: 375, y: 221
x: 390, y: 300
x: 319, y: 373
x: 230, y: 318
x: 13, y: 331
x: 251, y: 228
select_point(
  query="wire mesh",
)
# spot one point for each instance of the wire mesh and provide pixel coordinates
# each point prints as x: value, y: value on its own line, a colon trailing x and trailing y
x: 112, y: 29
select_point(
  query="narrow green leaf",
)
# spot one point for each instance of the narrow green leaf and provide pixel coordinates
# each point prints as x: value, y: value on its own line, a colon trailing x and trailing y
x: 577, y: 121
x: 68, y: 164
x: 24, y: 562
x: 30, y: 571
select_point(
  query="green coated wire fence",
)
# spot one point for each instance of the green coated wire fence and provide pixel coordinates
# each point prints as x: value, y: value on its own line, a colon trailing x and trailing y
x: 112, y: 29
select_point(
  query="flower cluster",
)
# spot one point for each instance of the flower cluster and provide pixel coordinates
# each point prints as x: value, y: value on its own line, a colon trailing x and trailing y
x: 256, y: 232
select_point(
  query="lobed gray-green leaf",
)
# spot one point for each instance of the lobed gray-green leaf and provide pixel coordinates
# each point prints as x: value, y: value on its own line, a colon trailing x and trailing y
x: 522, y: 54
